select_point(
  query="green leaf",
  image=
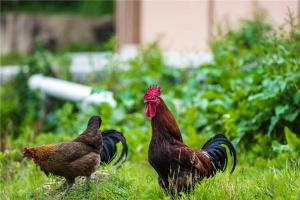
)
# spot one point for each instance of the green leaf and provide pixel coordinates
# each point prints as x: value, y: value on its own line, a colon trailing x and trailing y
x: 291, y: 138
x: 291, y: 116
x: 274, y: 121
x: 278, y: 148
x: 279, y: 110
x: 96, y: 90
x: 296, y: 97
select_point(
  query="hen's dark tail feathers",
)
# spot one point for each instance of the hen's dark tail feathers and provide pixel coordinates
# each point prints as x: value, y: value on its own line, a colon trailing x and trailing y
x: 110, y: 141
x: 218, y: 154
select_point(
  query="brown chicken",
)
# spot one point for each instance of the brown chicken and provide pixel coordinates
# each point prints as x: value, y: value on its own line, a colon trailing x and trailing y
x: 179, y: 167
x: 80, y: 157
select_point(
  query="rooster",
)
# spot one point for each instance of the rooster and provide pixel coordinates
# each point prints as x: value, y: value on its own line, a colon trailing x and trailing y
x: 178, y: 166
x: 80, y: 157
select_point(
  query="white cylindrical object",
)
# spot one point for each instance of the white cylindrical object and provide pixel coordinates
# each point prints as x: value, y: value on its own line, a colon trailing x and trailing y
x: 69, y: 91
x: 7, y: 73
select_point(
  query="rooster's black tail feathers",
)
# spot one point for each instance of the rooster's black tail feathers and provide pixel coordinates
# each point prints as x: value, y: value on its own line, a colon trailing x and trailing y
x: 217, y: 153
x: 110, y: 140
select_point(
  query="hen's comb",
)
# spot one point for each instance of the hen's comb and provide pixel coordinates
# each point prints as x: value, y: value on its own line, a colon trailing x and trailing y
x: 25, y: 149
x: 153, y: 90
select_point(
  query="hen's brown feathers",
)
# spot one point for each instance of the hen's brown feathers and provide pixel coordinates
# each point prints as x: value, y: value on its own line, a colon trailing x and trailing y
x: 62, y: 159
x: 80, y: 157
x: 92, y: 136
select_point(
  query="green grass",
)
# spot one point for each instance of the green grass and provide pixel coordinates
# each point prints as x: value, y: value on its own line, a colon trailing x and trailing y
x: 277, y: 178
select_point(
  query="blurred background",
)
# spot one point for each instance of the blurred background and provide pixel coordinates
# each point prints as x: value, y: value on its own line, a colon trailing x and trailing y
x: 225, y: 66
x: 85, y: 25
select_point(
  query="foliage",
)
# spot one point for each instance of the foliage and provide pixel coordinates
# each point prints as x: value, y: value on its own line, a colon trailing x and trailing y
x: 12, y: 58
x: 108, y: 45
x: 259, y: 73
x: 85, y: 7
x: 250, y: 93
x: 21, y: 107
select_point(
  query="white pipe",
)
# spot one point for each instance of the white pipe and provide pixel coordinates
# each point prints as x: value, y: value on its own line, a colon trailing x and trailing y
x: 69, y: 90
x: 8, y: 72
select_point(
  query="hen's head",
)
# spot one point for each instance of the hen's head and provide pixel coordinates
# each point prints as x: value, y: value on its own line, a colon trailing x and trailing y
x: 151, y: 98
x: 95, y: 120
x: 27, y: 152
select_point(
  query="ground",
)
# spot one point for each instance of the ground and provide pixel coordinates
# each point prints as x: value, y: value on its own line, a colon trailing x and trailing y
x: 253, y: 179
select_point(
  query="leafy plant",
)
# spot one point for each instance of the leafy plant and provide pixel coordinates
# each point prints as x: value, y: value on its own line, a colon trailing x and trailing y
x: 250, y: 93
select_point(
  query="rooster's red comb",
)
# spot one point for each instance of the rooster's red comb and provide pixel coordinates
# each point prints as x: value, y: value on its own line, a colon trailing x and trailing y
x: 153, y: 90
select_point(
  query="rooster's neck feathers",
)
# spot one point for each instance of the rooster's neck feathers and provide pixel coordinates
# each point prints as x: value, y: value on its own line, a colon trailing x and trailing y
x: 164, y: 123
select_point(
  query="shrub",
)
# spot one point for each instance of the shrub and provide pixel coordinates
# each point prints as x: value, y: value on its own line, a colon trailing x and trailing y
x: 250, y: 93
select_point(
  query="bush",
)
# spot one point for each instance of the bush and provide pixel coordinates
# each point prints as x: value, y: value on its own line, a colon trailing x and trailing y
x: 250, y: 93
x: 257, y: 73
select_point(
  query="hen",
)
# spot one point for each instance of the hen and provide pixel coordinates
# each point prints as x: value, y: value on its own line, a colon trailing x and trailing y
x: 179, y: 167
x: 80, y: 157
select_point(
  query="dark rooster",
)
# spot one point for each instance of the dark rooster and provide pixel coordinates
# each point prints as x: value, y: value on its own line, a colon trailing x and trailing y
x: 80, y: 157
x: 179, y: 167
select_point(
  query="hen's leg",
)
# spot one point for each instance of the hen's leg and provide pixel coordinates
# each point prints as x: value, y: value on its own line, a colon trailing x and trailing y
x: 69, y: 186
x: 87, y: 183
x: 62, y: 186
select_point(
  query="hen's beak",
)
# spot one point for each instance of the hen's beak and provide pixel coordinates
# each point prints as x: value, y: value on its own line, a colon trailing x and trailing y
x: 145, y: 101
x: 26, y: 155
